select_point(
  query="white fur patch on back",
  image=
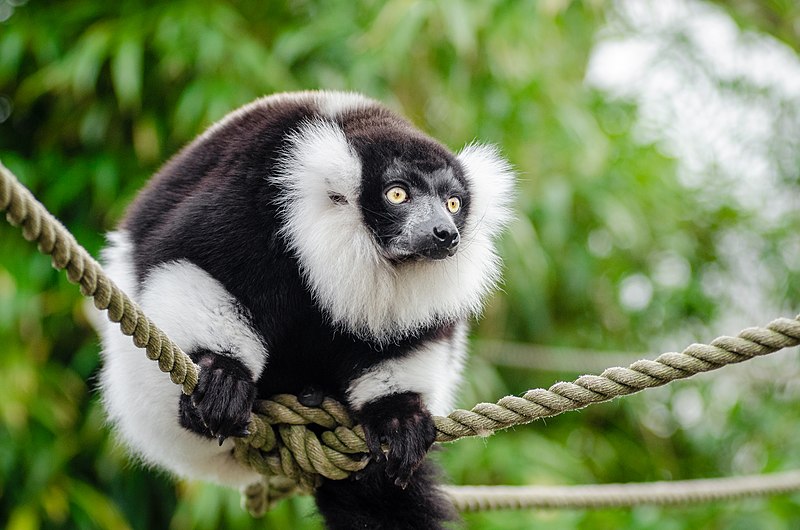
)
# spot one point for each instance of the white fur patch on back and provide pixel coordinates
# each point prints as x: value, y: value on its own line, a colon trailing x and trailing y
x: 140, y: 400
x: 328, y: 103
x: 350, y: 279
x: 433, y: 371
x: 332, y: 104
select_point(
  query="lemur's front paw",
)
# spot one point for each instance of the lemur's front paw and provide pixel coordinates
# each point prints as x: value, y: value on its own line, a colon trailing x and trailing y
x: 402, y: 422
x: 221, y: 403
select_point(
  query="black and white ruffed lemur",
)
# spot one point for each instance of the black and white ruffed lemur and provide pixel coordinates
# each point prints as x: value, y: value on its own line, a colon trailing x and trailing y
x: 312, y: 240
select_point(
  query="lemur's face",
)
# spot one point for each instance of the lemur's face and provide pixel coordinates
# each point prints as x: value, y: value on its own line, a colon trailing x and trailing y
x: 416, y: 209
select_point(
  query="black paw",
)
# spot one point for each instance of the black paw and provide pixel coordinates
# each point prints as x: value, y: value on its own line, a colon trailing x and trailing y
x: 402, y: 422
x: 221, y: 403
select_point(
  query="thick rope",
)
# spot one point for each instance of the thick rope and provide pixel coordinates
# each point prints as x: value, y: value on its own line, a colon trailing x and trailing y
x: 297, y: 453
x: 667, y: 493
x: 23, y: 210
x: 329, y: 454
x: 486, y: 418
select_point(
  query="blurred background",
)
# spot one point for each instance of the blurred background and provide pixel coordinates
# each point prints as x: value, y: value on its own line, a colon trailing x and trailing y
x: 659, y: 204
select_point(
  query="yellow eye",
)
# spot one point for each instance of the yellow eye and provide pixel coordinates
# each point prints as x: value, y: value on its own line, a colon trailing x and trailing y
x: 453, y: 204
x: 397, y: 195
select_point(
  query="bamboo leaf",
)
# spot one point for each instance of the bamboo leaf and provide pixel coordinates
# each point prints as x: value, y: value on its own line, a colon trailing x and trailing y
x: 127, y: 71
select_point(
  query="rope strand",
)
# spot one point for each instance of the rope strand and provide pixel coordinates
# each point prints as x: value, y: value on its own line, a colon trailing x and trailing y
x: 597, y: 496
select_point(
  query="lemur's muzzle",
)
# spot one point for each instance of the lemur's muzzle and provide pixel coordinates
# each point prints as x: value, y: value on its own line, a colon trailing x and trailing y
x: 437, y: 238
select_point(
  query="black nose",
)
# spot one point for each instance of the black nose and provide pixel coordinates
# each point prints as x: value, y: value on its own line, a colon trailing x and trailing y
x: 445, y: 237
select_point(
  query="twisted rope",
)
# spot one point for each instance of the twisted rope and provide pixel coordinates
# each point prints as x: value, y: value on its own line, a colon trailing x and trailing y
x: 329, y: 453
x: 23, y: 210
x: 294, y: 458
x: 668, y: 493
x: 486, y: 418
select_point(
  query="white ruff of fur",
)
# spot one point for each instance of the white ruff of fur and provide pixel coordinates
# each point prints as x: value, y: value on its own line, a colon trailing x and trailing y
x: 340, y: 260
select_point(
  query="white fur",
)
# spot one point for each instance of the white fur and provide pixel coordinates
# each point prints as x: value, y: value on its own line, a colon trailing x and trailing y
x: 433, y: 371
x: 332, y: 104
x: 491, y: 180
x: 141, y: 401
x: 196, y: 311
x: 359, y: 289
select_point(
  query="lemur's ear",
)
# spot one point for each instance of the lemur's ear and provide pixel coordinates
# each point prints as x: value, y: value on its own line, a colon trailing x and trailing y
x: 491, y: 180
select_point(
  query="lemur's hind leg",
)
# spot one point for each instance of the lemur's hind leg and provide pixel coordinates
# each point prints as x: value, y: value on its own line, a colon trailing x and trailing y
x: 398, y: 489
x: 372, y: 500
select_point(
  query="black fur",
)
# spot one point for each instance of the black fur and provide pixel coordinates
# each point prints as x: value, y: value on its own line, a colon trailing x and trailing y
x: 221, y: 403
x: 401, y: 422
x: 398, y: 489
x: 212, y: 205
x: 371, y: 500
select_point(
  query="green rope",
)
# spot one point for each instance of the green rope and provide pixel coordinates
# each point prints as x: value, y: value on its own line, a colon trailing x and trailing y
x: 284, y: 450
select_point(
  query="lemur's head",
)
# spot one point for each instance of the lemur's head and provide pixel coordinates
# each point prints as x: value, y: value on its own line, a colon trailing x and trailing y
x: 416, y: 200
x: 392, y: 230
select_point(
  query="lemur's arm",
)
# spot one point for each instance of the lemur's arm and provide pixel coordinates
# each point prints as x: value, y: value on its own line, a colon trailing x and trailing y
x: 199, y: 314
x: 394, y: 401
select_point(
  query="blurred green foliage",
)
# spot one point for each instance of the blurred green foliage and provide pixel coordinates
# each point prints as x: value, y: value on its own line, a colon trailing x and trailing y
x: 94, y: 96
x: 780, y: 18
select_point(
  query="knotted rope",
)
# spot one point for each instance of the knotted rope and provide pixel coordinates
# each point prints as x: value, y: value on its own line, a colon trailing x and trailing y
x: 332, y: 453
x: 293, y: 457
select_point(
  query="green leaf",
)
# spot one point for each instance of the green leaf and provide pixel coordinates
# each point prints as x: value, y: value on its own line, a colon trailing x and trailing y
x: 12, y: 48
x: 126, y: 71
x: 89, y: 56
x: 24, y: 518
x: 98, y: 506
